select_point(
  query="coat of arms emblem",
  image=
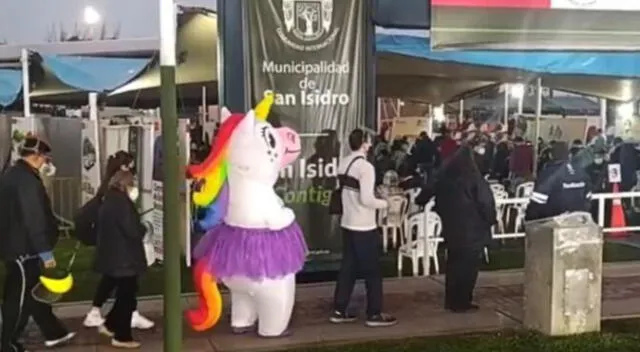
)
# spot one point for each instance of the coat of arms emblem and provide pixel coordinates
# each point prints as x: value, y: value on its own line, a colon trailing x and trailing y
x: 307, y: 20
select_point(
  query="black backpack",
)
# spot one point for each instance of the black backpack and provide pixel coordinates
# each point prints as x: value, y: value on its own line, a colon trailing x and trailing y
x: 85, y: 222
x: 335, y: 202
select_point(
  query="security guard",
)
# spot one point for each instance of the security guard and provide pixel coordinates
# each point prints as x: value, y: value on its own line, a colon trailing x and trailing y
x: 560, y: 188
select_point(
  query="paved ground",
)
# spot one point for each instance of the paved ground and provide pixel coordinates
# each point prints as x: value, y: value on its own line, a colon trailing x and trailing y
x: 416, y: 301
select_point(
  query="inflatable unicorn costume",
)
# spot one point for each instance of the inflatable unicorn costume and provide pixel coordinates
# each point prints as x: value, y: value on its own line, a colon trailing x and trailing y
x: 253, y: 243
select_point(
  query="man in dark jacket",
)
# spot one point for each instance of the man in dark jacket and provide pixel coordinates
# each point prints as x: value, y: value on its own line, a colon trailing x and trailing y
x: 28, y: 233
x: 562, y: 187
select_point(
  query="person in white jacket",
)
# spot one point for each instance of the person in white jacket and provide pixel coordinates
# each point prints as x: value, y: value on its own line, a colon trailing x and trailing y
x: 361, y: 240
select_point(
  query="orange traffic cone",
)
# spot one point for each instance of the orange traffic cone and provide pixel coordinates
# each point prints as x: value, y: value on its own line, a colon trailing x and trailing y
x: 617, y: 215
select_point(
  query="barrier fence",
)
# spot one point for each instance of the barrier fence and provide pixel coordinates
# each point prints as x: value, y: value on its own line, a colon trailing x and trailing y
x: 601, y: 198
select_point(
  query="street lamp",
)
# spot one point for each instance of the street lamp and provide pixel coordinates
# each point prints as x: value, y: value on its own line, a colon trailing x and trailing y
x: 91, y: 16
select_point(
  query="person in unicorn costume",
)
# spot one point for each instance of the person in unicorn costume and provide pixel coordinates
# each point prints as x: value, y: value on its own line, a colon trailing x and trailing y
x: 253, y: 244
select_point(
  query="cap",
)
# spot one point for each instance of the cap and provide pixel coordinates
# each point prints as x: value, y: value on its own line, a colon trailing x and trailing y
x: 35, y: 145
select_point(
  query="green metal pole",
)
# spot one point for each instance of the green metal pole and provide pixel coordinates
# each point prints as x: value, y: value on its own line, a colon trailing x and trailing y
x: 171, y: 188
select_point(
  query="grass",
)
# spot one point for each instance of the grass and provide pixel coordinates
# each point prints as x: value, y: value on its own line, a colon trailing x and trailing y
x: 618, y: 336
x: 503, y: 256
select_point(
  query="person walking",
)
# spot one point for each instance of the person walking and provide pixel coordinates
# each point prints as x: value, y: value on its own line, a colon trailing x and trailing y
x: 120, y: 255
x: 28, y: 233
x: 120, y: 161
x: 361, y: 240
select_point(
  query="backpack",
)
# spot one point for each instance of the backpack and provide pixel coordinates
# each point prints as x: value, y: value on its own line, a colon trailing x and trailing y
x: 85, y: 222
x: 335, y: 202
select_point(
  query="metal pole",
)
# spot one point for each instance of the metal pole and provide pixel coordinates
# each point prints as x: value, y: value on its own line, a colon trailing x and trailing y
x: 505, y: 116
x: 204, y: 106
x: 521, y: 104
x: 603, y: 114
x: 171, y: 188
x: 538, y: 116
x: 26, y: 90
x: 460, y: 111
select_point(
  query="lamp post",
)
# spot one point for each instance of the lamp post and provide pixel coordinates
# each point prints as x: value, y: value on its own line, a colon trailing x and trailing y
x: 171, y: 188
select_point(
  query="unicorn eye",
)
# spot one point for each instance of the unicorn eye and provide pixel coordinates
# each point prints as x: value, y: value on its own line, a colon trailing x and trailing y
x: 271, y: 140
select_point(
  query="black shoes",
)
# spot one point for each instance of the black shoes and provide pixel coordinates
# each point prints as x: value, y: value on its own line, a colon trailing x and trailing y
x: 342, y: 318
x: 469, y: 308
x: 381, y: 321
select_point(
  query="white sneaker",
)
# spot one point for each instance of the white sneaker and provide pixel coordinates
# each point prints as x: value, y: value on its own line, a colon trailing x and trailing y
x: 93, y: 319
x: 60, y: 341
x: 140, y: 322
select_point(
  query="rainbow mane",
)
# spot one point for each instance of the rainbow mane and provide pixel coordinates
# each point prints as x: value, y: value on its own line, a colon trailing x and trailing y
x: 213, y: 195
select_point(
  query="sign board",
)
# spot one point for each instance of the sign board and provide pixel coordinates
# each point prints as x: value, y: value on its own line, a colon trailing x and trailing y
x: 535, y: 24
x: 614, y: 173
x: 312, y: 54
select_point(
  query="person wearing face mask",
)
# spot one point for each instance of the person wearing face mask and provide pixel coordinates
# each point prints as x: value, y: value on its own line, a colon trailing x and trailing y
x: 361, y: 240
x: 28, y: 233
x: 120, y: 255
x: 120, y: 161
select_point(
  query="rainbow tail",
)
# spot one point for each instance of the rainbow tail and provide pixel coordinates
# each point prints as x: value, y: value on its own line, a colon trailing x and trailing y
x: 209, y: 308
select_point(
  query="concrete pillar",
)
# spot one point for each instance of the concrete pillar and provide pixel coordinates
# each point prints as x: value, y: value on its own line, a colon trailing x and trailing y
x: 563, y: 275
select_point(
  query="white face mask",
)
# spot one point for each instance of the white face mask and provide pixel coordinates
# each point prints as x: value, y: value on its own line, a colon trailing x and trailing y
x: 48, y: 170
x: 480, y: 150
x: 598, y: 161
x: 134, y: 193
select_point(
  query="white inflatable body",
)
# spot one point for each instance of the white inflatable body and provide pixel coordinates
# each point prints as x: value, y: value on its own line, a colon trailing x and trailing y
x: 257, y: 153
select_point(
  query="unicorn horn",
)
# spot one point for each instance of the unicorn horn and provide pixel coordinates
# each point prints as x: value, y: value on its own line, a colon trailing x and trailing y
x: 264, y: 107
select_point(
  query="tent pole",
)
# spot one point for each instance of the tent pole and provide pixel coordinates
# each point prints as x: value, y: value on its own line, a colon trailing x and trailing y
x: 379, y: 113
x: 520, y: 105
x: 505, y: 114
x: 171, y: 168
x: 460, y: 112
x: 538, y: 117
x: 203, y: 117
x: 603, y: 115
x: 26, y: 89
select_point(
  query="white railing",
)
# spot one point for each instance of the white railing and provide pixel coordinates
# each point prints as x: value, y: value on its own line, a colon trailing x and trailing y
x: 600, y: 197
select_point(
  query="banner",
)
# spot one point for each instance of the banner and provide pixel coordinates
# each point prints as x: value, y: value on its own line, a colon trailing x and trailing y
x: 156, y: 216
x: 311, y: 53
x: 535, y: 24
x: 91, y: 175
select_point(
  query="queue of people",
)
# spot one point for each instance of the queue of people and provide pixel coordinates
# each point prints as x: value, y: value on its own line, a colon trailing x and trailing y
x: 29, y: 232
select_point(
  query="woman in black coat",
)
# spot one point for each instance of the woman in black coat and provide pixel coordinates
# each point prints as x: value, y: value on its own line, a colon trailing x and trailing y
x: 120, y: 255
x: 120, y: 161
x: 465, y: 203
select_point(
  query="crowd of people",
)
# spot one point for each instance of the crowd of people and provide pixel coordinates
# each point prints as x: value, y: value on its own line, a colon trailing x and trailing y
x: 455, y: 169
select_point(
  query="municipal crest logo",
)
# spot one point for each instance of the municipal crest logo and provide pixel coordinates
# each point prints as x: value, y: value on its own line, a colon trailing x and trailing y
x: 307, y: 25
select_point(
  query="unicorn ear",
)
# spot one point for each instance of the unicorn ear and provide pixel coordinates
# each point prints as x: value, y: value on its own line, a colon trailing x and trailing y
x: 224, y: 114
x: 248, y: 122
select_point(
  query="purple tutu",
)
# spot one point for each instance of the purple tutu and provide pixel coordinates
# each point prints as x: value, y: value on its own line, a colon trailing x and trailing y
x: 254, y: 253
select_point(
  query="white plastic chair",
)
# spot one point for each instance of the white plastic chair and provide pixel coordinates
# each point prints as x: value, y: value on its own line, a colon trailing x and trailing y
x: 500, y: 194
x: 392, y: 220
x: 412, y: 243
x: 412, y: 194
x: 433, y: 238
x: 497, y: 187
x: 524, y: 190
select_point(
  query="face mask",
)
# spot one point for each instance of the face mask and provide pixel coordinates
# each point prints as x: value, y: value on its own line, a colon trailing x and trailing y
x: 598, y: 161
x: 480, y: 150
x: 48, y: 170
x: 134, y: 193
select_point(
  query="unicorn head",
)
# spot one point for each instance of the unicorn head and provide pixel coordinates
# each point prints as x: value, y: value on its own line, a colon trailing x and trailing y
x: 248, y: 147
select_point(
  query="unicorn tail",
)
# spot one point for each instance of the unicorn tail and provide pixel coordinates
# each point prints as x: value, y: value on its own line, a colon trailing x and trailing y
x: 209, y: 308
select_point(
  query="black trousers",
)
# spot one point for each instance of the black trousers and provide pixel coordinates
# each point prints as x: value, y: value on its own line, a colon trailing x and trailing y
x: 461, y: 275
x: 104, y: 291
x: 360, y: 257
x: 18, y: 305
x: 118, y: 320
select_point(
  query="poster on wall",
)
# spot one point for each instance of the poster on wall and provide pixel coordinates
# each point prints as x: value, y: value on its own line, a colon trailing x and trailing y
x: 157, y: 187
x: 535, y: 24
x: 311, y: 54
x: 20, y: 129
x: 90, y: 172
